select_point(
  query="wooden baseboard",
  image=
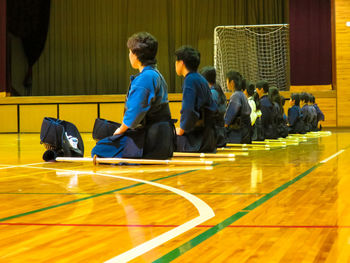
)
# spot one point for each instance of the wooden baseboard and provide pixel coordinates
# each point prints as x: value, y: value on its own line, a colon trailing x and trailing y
x: 311, y: 88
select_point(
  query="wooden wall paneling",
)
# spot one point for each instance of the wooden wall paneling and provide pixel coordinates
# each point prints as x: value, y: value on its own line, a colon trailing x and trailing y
x: 112, y: 111
x: 8, y: 118
x: 342, y: 15
x: 81, y: 115
x: 31, y: 116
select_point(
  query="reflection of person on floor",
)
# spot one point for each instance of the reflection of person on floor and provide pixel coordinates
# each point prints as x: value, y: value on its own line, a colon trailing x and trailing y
x: 137, y: 235
x: 256, y: 177
x: 147, y: 130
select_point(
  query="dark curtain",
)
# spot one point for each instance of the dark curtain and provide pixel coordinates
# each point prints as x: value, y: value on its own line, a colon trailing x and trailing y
x: 86, y: 49
x: 3, y: 46
x: 310, y: 42
x: 29, y: 20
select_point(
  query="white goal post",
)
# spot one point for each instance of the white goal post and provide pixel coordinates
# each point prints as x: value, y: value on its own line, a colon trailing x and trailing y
x: 258, y: 52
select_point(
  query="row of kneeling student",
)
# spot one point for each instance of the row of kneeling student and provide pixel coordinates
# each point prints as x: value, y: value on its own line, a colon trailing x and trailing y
x: 206, y: 122
x: 254, y: 112
x: 264, y: 118
x: 147, y: 130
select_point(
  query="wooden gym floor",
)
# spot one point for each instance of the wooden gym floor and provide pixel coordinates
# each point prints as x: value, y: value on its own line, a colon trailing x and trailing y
x: 282, y: 205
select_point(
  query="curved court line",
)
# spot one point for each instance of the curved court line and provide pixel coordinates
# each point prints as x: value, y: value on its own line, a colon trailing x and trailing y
x: 204, y: 210
x: 180, y: 250
x: 205, y: 213
x: 20, y: 165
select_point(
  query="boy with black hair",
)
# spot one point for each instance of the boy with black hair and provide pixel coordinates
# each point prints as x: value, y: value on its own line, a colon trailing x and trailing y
x: 283, y: 100
x: 313, y: 113
x: 320, y: 115
x: 237, y: 117
x: 255, y: 115
x: 280, y: 126
x: 262, y: 88
x: 254, y: 103
x: 295, y: 116
x: 219, y: 97
x: 197, y: 131
x: 147, y: 130
x: 307, y: 115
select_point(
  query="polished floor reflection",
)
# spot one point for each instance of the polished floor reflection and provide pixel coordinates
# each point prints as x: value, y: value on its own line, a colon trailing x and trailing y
x: 281, y: 205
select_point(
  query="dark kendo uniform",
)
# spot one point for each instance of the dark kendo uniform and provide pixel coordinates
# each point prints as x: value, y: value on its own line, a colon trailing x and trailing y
x: 320, y: 115
x: 197, y: 116
x: 267, y: 118
x: 295, y: 120
x: 219, y: 118
x: 151, y: 132
x: 313, y: 117
x: 306, y: 118
x: 237, y: 118
x: 280, y: 124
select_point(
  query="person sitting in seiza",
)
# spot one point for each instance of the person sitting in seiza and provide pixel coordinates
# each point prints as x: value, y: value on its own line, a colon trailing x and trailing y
x: 313, y: 113
x: 307, y: 114
x: 147, y: 130
x: 279, y: 123
x: 295, y: 116
x: 219, y: 97
x: 255, y: 115
x: 237, y: 117
x: 196, y: 132
x: 262, y: 88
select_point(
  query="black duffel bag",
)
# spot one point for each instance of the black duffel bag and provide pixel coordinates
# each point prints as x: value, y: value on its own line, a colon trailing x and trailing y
x: 60, y: 138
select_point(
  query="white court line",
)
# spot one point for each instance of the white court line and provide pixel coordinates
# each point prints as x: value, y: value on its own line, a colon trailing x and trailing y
x: 205, y: 213
x: 331, y: 157
x: 20, y: 165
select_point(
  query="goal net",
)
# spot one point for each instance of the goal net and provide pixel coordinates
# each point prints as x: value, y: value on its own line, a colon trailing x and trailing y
x: 259, y: 52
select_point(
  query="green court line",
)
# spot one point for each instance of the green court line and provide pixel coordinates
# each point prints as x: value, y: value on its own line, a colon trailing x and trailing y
x: 89, y: 197
x: 279, y: 189
x: 177, y: 252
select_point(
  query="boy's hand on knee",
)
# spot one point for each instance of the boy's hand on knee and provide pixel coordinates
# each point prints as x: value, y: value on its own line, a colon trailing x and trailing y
x: 123, y: 128
x: 179, y: 131
x: 117, y: 132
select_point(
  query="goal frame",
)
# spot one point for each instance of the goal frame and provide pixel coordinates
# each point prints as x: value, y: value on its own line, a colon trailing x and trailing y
x: 252, y: 26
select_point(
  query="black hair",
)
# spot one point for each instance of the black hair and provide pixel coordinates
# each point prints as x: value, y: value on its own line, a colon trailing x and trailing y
x: 222, y: 96
x: 244, y: 84
x: 251, y: 89
x: 236, y: 77
x: 283, y: 100
x: 190, y: 56
x: 144, y: 46
x: 312, y: 98
x: 209, y: 73
x: 304, y: 97
x: 263, y: 84
x: 296, y: 98
x: 275, y: 96
x: 257, y: 101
